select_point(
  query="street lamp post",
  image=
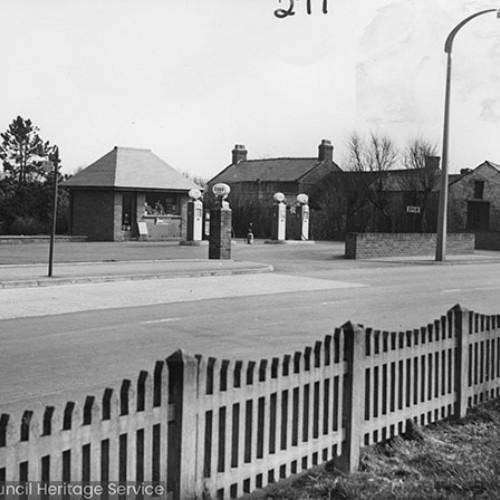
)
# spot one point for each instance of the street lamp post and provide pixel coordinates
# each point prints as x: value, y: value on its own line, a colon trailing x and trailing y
x: 55, y: 169
x: 443, y: 195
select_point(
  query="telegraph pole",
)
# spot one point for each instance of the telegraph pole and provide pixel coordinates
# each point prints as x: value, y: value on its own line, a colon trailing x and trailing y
x: 54, y: 162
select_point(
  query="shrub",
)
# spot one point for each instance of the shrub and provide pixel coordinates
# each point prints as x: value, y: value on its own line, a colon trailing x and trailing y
x: 27, y: 226
x: 28, y: 209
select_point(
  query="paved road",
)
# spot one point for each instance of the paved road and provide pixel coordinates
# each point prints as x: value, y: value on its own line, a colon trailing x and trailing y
x: 67, y: 341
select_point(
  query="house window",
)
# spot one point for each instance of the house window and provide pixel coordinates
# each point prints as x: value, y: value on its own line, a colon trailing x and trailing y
x: 478, y: 190
x: 162, y: 204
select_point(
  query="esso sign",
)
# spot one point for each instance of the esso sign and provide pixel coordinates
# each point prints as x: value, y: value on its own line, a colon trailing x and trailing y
x: 302, y: 198
x: 221, y: 189
x: 195, y: 194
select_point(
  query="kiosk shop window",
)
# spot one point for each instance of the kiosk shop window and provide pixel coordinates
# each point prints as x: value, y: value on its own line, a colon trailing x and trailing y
x: 127, y: 211
x: 162, y: 204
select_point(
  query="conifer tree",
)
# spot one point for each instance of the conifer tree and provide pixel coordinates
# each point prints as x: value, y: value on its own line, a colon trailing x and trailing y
x: 23, y: 152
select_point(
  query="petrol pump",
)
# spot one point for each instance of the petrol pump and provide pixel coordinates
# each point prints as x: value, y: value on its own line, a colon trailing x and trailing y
x: 278, y: 224
x: 303, y: 216
x: 219, y: 246
x: 194, y: 216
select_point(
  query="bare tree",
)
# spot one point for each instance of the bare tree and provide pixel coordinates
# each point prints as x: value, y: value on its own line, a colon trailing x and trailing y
x: 372, y: 195
x: 382, y: 153
x: 197, y: 179
x: 375, y: 157
x: 420, y: 157
x: 415, y: 152
x: 342, y: 203
x: 356, y: 153
x: 377, y: 154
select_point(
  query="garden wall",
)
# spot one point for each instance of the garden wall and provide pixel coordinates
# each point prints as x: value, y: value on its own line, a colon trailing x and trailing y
x: 373, y: 245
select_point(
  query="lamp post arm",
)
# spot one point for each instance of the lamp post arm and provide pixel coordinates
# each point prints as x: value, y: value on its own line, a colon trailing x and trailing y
x: 449, y: 40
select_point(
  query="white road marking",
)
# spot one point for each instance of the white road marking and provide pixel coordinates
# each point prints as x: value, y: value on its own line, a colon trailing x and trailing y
x: 163, y: 320
x: 475, y: 289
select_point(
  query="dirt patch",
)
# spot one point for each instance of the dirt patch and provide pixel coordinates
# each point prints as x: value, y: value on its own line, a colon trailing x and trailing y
x: 447, y: 460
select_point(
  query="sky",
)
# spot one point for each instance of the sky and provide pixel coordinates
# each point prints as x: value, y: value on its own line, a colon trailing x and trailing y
x: 189, y: 79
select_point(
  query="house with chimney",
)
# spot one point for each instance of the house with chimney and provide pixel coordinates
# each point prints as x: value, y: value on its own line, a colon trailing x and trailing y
x: 254, y: 182
x: 128, y: 193
x: 257, y: 180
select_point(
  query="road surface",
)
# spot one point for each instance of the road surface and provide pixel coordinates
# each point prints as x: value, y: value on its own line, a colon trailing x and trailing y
x: 61, y: 343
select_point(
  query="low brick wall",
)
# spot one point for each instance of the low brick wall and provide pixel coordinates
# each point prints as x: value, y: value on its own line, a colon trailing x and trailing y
x: 488, y: 240
x: 14, y: 240
x: 373, y: 245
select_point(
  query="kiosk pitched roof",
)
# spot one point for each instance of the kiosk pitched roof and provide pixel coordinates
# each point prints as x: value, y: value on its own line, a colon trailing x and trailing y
x: 130, y: 168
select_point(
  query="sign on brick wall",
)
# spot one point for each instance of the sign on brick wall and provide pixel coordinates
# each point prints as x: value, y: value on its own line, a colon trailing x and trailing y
x: 413, y: 210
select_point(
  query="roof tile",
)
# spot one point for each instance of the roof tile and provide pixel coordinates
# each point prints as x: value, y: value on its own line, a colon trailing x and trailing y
x: 268, y: 170
x: 130, y: 168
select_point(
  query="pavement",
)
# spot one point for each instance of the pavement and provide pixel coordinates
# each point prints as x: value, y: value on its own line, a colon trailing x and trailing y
x: 24, y: 265
x: 479, y: 256
x: 32, y: 275
x: 79, y: 262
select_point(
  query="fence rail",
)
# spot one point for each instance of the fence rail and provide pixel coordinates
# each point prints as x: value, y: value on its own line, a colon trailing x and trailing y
x: 229, y: 426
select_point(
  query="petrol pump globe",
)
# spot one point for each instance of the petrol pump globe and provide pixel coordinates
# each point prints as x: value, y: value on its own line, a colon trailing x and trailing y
x: 279, y: 197
x: 195, y: 194
x: 302, y: 198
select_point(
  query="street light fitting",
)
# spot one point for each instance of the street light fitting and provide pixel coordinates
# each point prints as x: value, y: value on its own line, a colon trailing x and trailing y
x: 449, y: 40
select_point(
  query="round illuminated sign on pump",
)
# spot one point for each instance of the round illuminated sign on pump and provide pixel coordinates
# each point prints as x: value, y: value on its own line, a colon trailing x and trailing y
x: 279, y: 197
x: 195, y: 194
x: 302, y: 198
x: 221, y: 189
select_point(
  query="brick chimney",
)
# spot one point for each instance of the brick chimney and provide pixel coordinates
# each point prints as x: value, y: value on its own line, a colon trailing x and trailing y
x: 432, y: 162
x: 325, y: 151
x: 239, y: 153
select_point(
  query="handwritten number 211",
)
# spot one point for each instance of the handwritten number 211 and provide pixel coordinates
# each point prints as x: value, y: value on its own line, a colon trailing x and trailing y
x: 281, y: 13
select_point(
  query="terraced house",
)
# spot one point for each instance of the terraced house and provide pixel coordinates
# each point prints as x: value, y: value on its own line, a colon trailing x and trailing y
x: 254, y: 182
x: 258, y: 180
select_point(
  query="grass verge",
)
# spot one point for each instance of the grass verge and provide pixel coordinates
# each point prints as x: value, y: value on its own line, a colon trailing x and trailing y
x: 447, y: 460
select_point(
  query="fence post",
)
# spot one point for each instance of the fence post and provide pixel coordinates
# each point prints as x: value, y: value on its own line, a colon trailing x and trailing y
x: 354, y: 395
x: 183, y: 450
x: 462, y: 334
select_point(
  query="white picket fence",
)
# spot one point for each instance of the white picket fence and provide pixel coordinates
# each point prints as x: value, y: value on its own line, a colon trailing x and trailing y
x: 230, y: 427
